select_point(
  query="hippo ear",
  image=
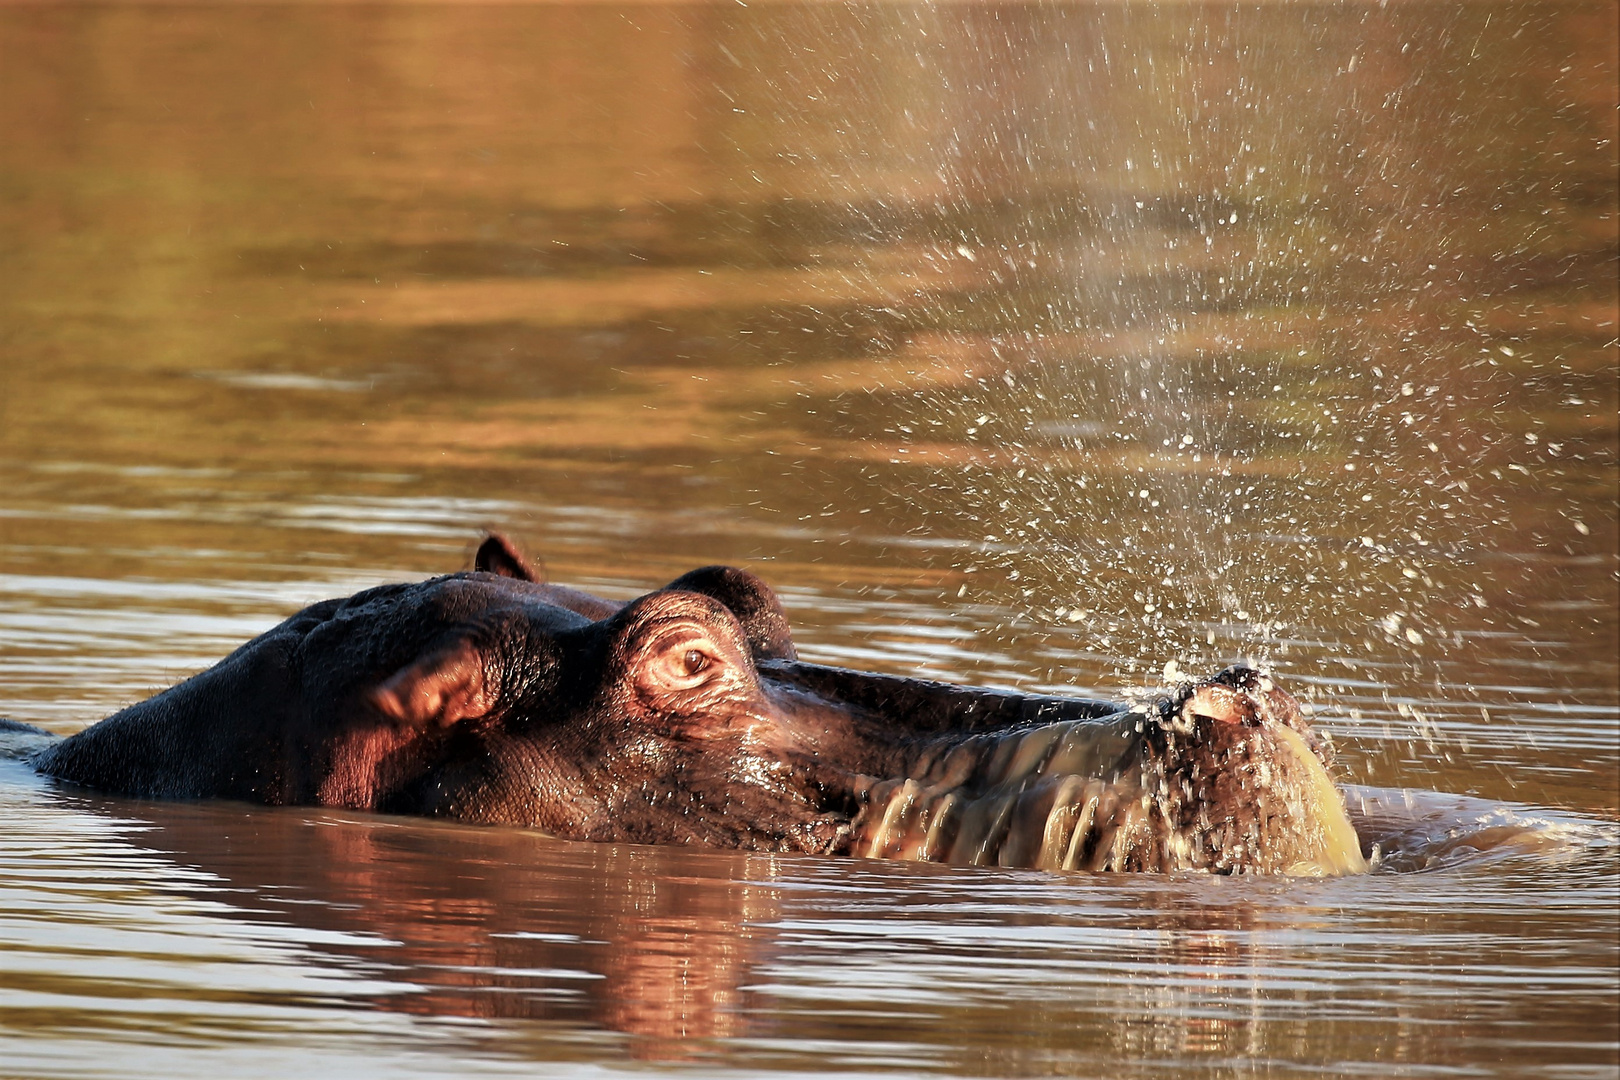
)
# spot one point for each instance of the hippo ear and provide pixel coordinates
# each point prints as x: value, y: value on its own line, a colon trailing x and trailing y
x: 498, y: 555
x: 442, y: 688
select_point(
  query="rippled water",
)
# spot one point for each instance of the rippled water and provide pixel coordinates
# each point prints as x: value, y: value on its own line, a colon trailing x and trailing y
x: 906, y: 307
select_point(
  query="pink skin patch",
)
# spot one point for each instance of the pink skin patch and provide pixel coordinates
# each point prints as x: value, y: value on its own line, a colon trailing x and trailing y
x: 1225, y: 704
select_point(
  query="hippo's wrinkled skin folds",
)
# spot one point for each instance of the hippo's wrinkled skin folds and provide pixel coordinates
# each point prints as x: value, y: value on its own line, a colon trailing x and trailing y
x: 685, y: 717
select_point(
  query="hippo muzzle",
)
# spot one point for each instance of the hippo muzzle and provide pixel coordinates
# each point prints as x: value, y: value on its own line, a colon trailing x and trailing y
x: 685, y: 717
x: 1224, y: 775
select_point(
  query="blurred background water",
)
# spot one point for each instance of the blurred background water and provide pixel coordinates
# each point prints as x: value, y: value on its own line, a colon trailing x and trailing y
x: 1034, y: 345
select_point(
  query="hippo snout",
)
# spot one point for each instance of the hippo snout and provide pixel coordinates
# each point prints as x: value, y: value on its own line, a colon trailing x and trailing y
x: 1245, y: 697
x: 1235, y: 695
x: 1224, y: 775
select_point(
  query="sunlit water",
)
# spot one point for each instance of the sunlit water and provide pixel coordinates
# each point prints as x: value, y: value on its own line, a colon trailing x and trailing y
x: 1030, y: 346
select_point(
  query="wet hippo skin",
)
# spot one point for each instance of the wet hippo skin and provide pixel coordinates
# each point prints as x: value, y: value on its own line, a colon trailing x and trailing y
x: 685, y: 717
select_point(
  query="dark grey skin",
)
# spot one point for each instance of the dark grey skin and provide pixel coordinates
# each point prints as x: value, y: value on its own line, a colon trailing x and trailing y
x: 685, y: 717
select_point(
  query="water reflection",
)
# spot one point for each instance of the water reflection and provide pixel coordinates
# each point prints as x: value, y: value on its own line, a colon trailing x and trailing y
x: 267, y: 917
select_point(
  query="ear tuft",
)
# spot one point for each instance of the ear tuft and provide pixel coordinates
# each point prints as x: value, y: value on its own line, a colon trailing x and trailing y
x: 439, y: 690
x: 498, y: 555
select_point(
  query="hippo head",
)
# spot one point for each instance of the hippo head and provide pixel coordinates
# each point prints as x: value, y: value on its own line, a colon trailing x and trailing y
x: 684, y: 716
x: 652, y: 724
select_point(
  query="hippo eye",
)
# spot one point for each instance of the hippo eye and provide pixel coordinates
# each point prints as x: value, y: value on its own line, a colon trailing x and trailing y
x: 680, y: 659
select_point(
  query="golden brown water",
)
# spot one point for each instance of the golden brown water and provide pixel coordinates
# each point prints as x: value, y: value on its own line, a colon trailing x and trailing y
x: 1032, y: 345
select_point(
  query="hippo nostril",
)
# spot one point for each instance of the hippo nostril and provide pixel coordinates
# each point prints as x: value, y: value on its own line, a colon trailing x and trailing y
x: 1240, y: 677
x: 1222, y: 703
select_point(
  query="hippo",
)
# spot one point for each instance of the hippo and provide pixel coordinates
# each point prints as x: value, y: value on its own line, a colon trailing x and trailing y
x: 686, y: 717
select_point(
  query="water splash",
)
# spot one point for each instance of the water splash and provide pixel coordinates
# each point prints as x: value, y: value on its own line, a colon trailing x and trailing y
x: 1202, y: 333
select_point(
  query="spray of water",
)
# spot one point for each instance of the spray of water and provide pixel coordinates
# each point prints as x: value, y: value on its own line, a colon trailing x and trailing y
x: 1200, y: 320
